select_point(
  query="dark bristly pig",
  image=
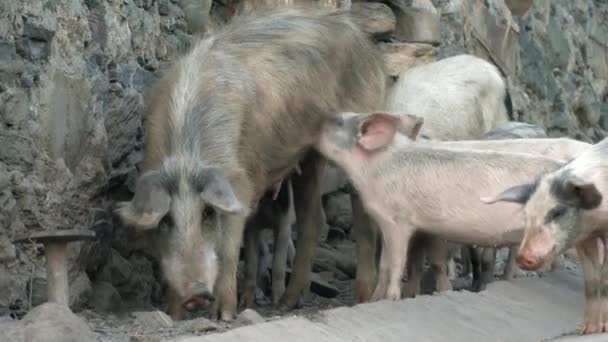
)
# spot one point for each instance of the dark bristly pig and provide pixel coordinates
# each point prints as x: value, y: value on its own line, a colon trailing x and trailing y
x: 568, y: 208
x: 407, y: 187
x: 229, y: 120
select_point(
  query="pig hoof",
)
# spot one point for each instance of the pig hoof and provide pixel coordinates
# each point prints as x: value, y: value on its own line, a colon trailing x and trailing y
x: 588, y: 328
x: 287, y: 302
x: 247, y: 300
x: 227, y: 316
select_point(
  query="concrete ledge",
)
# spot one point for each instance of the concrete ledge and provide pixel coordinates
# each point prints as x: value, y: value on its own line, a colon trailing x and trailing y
x: 526, y: 309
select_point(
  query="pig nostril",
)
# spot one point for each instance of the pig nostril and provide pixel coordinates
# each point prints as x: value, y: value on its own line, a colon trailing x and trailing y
x: 526, y: 261
x: 208, y: 296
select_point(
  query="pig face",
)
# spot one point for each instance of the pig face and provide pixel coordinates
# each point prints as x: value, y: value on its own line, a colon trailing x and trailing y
x: 349, y: 133
x: 184, y: 204
x: 553, y: 208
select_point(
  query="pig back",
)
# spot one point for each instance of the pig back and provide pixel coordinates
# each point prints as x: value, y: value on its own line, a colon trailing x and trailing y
x: 459, y: 97
x: 262, y: 88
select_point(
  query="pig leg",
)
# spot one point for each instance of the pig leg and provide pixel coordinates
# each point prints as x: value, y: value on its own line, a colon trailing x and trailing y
x: 465, y: 260
x: 282, y: 237
x: 438, y: 257
x: 415, y: 266
x: 508, y: 272
x: 488, y: 260
x: 365, y: 236
x: 307, y: 199
x: 588, y: 253
x: 396, y: 244
x: 174, y: 305
x: 225, y: 303
x: 251, y: 266
x: 383, y: 274
x: 475, y: 254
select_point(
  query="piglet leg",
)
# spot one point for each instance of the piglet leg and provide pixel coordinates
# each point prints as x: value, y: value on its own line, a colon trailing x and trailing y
x: 438, y: 256
x: 595, y: 312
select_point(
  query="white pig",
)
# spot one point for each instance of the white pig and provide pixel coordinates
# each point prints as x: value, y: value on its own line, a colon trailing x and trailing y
x: 459, y: 97
x: 566, y: 208
x: 408, y: 188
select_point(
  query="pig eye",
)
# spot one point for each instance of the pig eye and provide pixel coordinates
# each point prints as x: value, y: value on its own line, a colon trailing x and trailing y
x: 555, y: 213
x: 208, y: 212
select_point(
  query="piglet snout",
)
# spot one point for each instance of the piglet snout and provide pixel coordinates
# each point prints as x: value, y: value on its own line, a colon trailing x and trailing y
x: 527, y: 260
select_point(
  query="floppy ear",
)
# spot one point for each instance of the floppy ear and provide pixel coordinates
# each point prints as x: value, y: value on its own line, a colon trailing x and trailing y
x: 377, y: 130
x: 516, y: 194
x: 216, y: 190
x: 584, y: 194
x: 149, y: 205
x: 410, y: 125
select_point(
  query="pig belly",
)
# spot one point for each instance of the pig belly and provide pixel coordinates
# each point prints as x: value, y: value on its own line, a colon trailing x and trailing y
x: 479, y: 226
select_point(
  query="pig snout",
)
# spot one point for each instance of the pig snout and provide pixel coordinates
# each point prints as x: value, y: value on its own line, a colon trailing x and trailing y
x: 200, y: 298
x: 528, y: 260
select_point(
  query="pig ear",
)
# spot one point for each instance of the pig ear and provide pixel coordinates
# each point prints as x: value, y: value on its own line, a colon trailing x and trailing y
x: 516, y: 194
x: 149, y: 205
x: 410, y: 125
x: 217, y: 191
x: 585, y: 194
x: 377, y: 130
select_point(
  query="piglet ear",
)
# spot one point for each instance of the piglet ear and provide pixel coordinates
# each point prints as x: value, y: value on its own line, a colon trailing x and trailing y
x: 585, y: 194
x: 410, y: 125
x: 377, y: 130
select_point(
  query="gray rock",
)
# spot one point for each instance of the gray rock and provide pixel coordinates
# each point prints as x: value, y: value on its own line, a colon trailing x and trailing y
x: 338, y: 210
x: 54, y: 322
x: 321, y: 287
x: 145, y: 338
x: 37, y: 287
x: 198, y: 326
x: 152, y: 320
x: 417, y: 22
x: 105, y: 298
x: 248, y: 317
x: 515, y: 130
x: 120, y: 270
x: 80, y: 291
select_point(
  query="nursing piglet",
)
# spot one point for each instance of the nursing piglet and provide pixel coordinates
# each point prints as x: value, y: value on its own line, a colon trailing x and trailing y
x: 407, y: 188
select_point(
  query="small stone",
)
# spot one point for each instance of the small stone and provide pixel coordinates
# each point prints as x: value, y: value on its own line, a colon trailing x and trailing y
x: 338, y: 210
x: 145, y: 338
x: 249, y: 317
x: 163, y: 7
x: 152, y: 319
x: 322, y: 287
x: 335, y: 233
x: 27, y: 81
x: 7, y: 250
x: 198, y: 325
